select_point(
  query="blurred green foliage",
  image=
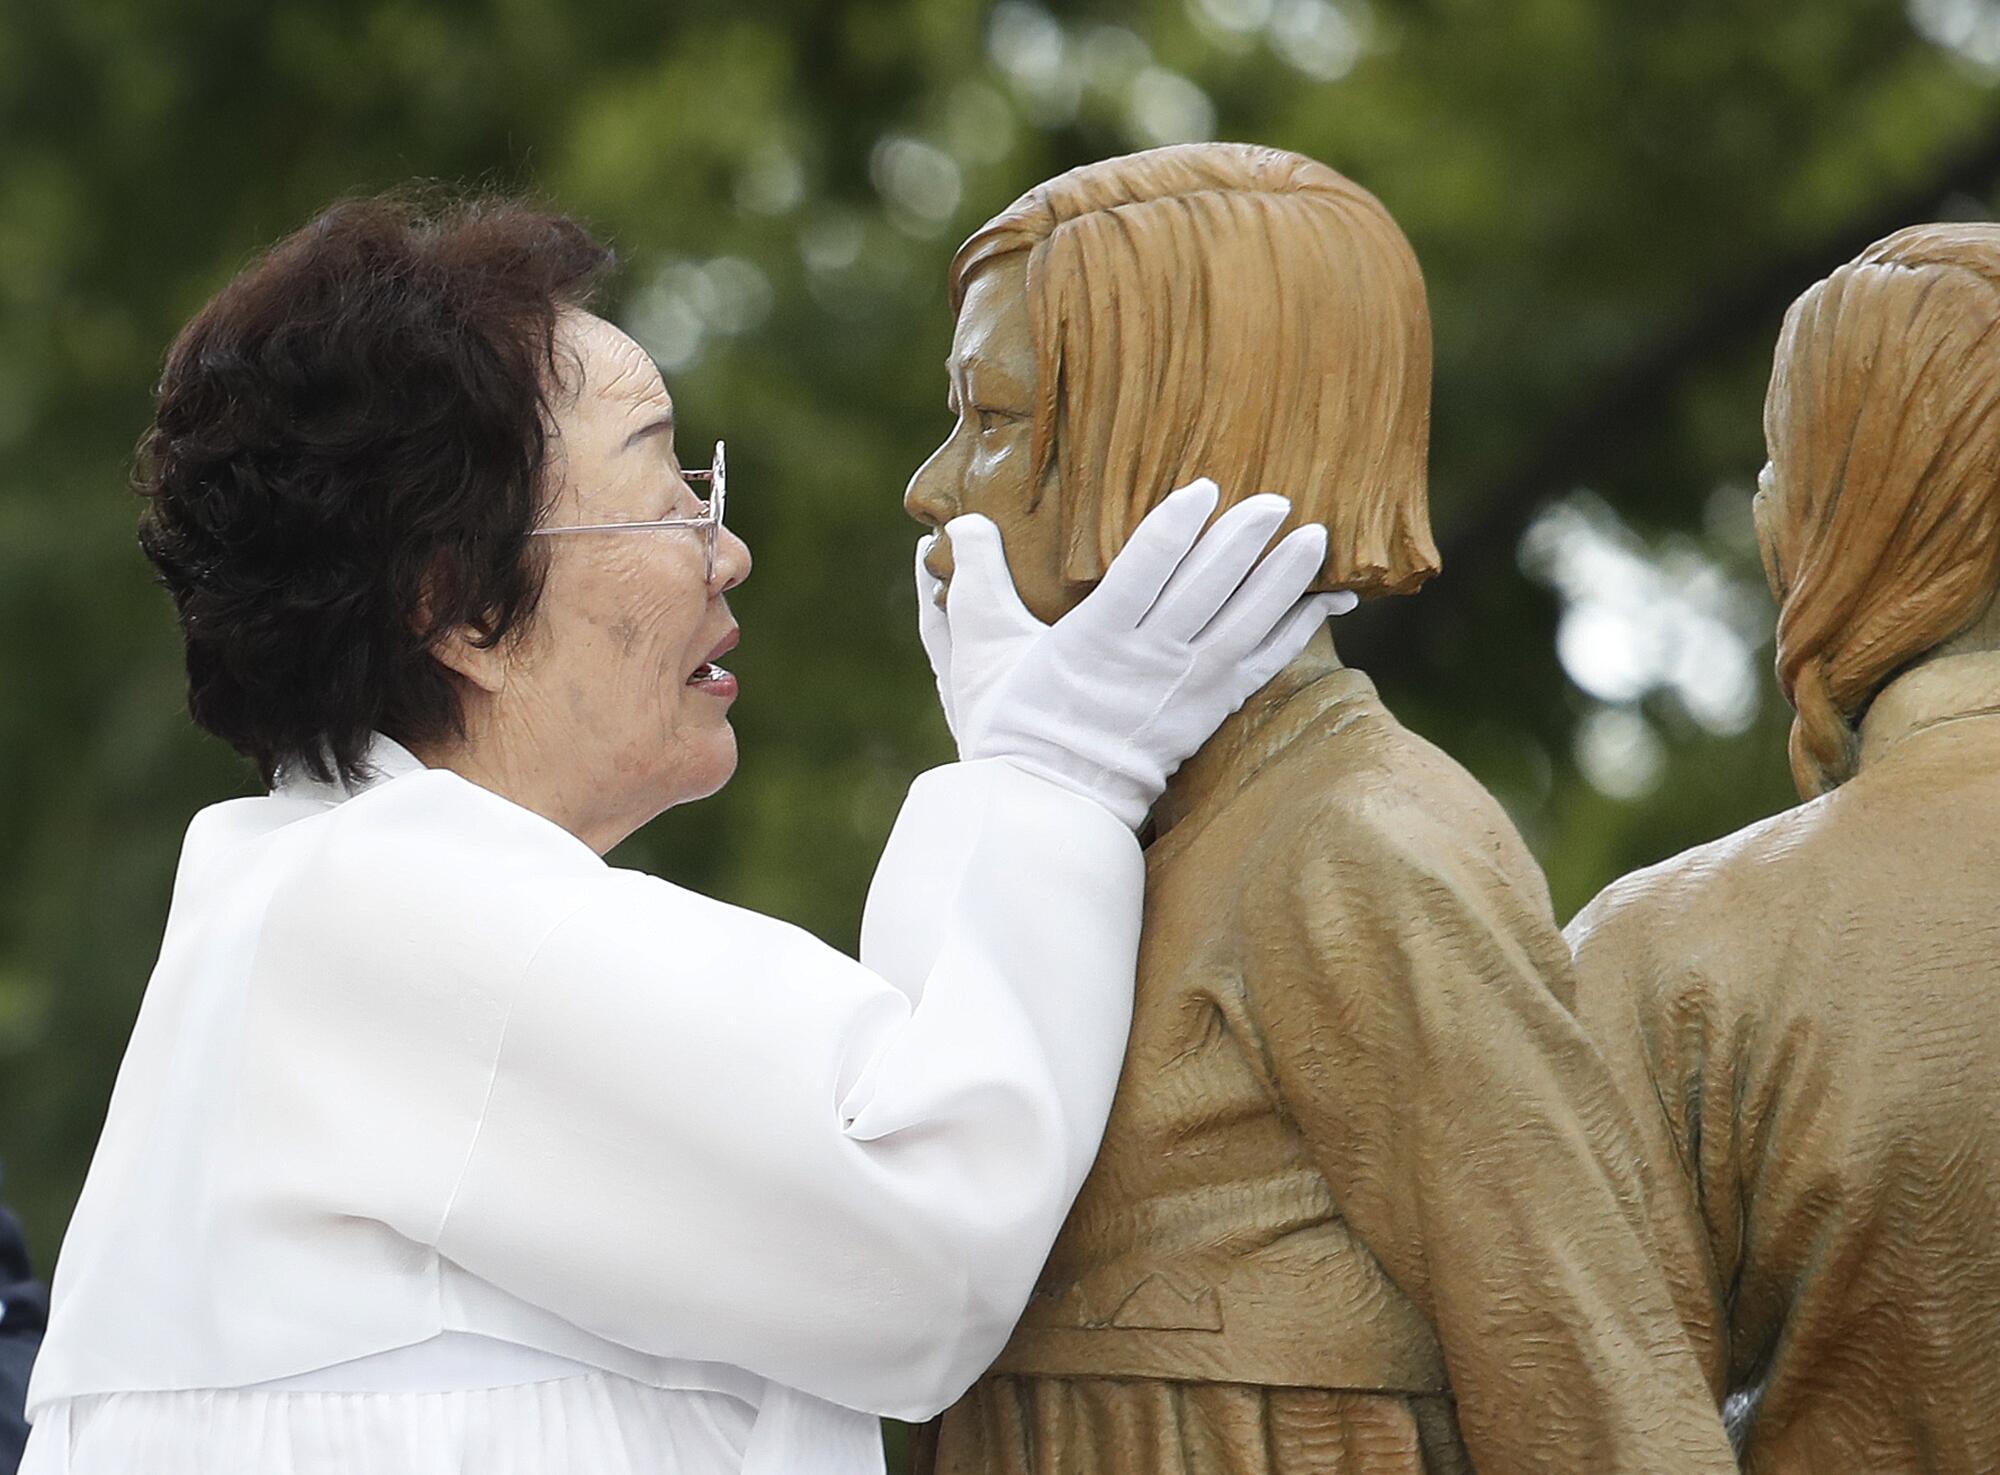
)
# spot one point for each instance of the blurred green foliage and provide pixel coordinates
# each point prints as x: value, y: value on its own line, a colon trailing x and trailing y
x: 1613, y: 205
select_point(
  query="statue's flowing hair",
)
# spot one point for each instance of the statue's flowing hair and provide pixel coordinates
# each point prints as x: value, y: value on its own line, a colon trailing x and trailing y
x: 1883, y: 425
x: 1234, y: 312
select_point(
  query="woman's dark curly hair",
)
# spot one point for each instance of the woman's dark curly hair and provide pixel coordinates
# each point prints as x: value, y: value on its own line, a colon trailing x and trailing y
x: 346, y: 462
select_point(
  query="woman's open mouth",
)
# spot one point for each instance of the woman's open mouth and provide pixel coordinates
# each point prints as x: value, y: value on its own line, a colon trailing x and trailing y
x: 711, y: 678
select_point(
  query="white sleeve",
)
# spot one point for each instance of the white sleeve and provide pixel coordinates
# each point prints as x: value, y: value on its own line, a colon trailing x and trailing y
x: 711, y: 1136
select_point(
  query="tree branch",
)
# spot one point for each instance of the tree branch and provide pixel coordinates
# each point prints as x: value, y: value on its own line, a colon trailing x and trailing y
x: 1569, y: 449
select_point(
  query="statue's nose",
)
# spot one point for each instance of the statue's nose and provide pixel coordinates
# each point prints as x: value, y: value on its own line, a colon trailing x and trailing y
x: 928, y: 498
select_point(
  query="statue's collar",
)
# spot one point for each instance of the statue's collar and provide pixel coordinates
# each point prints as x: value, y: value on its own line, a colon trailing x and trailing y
x: 1289, y: 705
x: 1946, y: 689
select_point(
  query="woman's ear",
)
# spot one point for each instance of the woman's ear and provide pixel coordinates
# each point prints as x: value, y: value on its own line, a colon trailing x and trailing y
x: 483, y: 666
x: 463, y: 649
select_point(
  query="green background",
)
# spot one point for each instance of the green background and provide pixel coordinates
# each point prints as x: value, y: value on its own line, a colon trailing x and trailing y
x: 1613, y: 204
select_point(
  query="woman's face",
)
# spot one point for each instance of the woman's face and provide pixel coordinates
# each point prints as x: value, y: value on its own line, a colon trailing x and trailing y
x: 986, y: 464
x: 612, y: 683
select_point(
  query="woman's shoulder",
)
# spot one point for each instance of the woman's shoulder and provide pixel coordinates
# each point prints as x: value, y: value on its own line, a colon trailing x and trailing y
x: 433, y: 830
x: 435, y: 811
x: 421, y: 868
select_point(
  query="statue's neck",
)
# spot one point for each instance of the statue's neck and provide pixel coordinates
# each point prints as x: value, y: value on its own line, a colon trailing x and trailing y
x: 1197, y: 778
x: 1947, y: 686
x: 1983, y: 634
x: 1959, y: 677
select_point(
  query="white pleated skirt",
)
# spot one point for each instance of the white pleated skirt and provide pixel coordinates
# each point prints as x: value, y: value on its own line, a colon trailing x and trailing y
x: 592, y: 1424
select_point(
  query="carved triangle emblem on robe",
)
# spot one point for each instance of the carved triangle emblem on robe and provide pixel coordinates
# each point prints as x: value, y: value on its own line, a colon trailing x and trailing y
x: 1162, y: 1303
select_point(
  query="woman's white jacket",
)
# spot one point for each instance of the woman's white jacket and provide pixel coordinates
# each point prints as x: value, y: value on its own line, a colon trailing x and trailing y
x: 418, y: 1061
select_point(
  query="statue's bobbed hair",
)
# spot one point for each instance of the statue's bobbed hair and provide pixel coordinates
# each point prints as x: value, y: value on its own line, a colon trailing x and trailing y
x: 1226, y: 311
x: 1883, y: 426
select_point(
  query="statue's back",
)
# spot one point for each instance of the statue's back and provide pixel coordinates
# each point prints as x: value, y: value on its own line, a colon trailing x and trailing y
x: 1815, y: 1004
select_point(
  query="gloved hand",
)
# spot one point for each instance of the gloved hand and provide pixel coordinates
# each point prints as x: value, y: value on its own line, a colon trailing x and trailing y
x: 1118, y: 693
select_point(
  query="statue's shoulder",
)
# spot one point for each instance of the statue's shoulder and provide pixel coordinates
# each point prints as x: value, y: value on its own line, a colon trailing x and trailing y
x: 1691, y: 904
x: 1369, y: 787
x: 1388, y: 817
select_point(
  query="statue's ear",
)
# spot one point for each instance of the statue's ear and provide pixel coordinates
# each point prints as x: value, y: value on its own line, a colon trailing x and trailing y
x: 1079, y: 507
x: 1763, y: 517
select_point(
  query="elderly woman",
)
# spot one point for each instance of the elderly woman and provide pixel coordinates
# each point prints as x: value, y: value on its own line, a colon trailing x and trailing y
x: 443, y: 1145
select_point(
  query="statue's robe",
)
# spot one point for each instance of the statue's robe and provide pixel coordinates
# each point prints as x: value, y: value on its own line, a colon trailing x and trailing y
x: 1366, y: 1200
x: 1806, y: 1019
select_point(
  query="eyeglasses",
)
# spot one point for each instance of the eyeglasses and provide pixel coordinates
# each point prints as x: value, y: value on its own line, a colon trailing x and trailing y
x: 708, y: 524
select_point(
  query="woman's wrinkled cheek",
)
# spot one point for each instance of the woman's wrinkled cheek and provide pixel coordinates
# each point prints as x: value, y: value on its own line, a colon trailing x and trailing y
x: 641, y: 611
x: 670, y: 628
x: 580, y: 704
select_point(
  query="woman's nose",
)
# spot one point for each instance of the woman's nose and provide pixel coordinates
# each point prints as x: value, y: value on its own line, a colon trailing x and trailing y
x: 732, y: 562
x: 929, y: 497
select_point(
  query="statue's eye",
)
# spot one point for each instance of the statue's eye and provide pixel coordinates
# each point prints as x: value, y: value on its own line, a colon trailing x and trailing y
x: 993, y: 420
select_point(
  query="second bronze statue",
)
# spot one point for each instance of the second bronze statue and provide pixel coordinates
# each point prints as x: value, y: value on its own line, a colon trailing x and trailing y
x: 1802, y: 1013
x: 1367, y: 1201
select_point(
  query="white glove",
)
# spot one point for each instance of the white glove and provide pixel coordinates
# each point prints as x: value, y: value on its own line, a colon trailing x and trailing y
x: 1117, y: 694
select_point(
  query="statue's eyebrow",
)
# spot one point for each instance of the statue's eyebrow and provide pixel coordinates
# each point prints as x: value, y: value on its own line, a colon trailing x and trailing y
x: 995, y: 380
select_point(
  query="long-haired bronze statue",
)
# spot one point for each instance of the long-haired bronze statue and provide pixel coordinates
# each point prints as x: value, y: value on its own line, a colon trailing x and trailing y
x: 1806, y: 1014
x: 1366, y: 1201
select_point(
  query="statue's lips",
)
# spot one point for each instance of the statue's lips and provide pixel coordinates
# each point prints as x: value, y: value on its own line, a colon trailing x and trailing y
x: 938, y: 563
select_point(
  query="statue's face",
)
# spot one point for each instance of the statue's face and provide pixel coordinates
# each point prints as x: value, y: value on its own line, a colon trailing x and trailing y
x: 986, y: 464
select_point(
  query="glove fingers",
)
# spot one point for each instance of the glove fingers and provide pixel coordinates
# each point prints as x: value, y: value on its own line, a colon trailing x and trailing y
x: 1216, y: 568
x: 933, y: 629
x: 982, y: 604
x: 1265, y: 598
x: 1282, y: 646
x: 1150, y: 556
